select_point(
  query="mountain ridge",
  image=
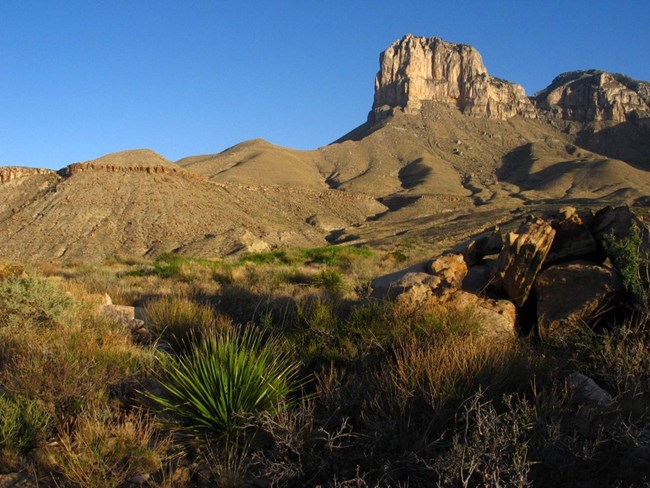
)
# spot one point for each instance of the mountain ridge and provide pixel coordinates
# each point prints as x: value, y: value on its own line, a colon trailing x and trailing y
x: 443, y: 139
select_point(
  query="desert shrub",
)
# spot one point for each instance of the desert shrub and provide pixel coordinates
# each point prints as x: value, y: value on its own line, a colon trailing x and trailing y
x: 618, y: 358
x: 23, y: 423
x: 630, y: 261
x: 11, y: 269
x: 177, y: 319
x: 107, y: 449
x: 225, y: 376
x: 330, y: 280
x: 491, y: 448
x: 69, y: 367
x: 36, y: 301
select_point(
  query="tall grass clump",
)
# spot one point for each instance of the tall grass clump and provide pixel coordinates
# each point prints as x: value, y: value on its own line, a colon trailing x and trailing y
x: 224, y: 377
x: 108, y: 449
x: 177, y: 319
x: 23, y: 423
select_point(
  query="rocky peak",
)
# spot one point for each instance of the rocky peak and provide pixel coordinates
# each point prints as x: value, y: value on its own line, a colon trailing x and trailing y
x: 595, y: 95
x: 416, y: 69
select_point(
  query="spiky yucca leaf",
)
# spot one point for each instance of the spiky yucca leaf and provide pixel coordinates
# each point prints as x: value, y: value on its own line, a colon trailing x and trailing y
x: 224, y: 376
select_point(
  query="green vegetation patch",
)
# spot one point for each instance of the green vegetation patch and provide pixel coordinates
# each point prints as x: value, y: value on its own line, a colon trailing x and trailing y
x: 33, y: 300
x: 226, y: 377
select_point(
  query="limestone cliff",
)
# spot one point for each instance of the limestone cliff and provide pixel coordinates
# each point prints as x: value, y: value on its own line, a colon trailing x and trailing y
x: 595, y: 96
x: 416, y: 69
x: 9, y: 173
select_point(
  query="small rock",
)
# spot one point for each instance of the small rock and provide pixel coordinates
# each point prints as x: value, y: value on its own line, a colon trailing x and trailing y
x: 140, y: 479
x: 585, y: 389
x: 384, y: 286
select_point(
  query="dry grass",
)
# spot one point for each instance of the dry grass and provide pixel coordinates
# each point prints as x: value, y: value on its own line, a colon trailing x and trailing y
x: 108, y: 450
x: 400, y: 397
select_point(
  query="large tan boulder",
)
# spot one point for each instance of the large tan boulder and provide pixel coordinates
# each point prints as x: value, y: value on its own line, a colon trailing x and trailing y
x: 522, y: 257
x: 451, y: 269
x: 423, y: 280
x: 571, y: 296
x: 497, y: 318
x: 386, y: 286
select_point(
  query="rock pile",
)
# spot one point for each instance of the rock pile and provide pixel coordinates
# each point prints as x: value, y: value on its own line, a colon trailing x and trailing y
x: 555, y: 269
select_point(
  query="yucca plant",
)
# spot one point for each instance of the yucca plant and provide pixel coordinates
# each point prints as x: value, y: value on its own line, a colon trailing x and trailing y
x: 226, y: 376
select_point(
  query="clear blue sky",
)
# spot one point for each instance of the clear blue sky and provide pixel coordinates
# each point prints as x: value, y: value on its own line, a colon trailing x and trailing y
x: 84, y: 78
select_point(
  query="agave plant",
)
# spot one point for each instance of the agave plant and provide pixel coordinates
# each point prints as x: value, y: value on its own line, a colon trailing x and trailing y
x: 226, y: 376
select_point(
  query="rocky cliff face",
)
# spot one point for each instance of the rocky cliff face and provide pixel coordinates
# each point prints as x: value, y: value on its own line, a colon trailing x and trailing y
x: 595, y: 96
x: 415, y: 69
x: 76, y: 168
x: 9, y: 173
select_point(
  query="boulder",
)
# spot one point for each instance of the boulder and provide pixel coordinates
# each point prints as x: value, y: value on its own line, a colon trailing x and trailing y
x: 423, y: 280
x: 617, y: 222
x: 476, y: 248
x: 498, y: 318
x: 584, y: 389
x: 573, y: 295
x: 413, y: 289
x: 451, y: 269
x: 478, y: 278
x: 573, y: 240
x: 386, y: 286
x: 522, y: 257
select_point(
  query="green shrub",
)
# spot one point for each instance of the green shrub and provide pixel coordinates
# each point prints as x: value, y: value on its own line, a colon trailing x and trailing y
x: 335, y: 255
x: 330, y: 280
x: 176, y: 320
x: 33, y: 300
x: 23, y: 423
x: 275, y: 256
x: 629, y: 261
x: 169, y: 264
x: 224, y: 377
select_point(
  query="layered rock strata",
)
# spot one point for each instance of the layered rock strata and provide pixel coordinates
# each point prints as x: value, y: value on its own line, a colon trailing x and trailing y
x: 417, y: 69
x: 9, y: 173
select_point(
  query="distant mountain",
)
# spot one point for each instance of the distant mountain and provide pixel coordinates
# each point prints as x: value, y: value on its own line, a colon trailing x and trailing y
x: 445, y: 142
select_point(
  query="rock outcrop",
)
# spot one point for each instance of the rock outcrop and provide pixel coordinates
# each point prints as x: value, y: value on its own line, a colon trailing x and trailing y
x: 416, y: 69
x: 9, y: 173
x: 76, y: 168
x: 522, y: 257
x: 595, y: 96
x: 526, y: 287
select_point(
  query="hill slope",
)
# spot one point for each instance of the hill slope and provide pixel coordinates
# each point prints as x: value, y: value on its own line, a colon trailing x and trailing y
x: 447, y: 149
